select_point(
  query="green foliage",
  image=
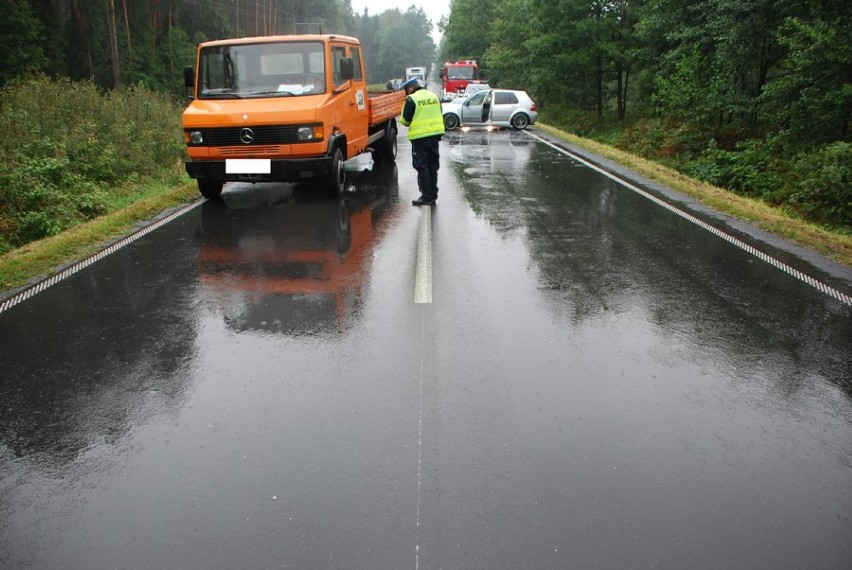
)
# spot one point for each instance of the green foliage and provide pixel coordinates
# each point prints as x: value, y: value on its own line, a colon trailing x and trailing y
x: 506, y: 58
x: 662, y: 139
x: 20, y: 35
x: 466, y: 32
x: 403, y: 40
x: 824, y: 185
x: 751, y: 170
x: 812, y: 99
x: 68, y: 148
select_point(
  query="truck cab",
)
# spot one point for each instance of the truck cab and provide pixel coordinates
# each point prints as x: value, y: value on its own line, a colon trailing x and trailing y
x: 456, y: 75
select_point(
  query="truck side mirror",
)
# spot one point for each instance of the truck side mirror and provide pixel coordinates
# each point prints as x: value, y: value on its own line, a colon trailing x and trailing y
x: 441, y: 74
x: 189, y: 77
x: 189, y: 81
x: 347, y: 68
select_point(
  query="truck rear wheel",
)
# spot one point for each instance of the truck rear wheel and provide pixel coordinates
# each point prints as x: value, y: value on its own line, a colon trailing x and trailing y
x: 335, y: 182
x: 210, y: 189
x: 385, y: 152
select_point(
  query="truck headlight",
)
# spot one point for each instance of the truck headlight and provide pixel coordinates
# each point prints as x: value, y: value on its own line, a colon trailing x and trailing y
x: 312, y: 133
x: 195, y: 137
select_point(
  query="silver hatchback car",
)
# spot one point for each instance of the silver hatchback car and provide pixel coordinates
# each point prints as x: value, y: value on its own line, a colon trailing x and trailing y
x: 497, y: 107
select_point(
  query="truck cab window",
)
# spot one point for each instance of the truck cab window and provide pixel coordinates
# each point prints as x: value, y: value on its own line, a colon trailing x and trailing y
x: 337, y: 53
x: 356, y: 63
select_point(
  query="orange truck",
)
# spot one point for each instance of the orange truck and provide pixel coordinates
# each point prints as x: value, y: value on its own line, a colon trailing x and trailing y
x: 284, y: 109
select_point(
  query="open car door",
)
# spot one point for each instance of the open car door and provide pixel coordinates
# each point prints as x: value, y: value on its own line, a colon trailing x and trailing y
x: 486, y: 106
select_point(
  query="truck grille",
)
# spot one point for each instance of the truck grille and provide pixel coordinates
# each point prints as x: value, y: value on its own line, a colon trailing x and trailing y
x: 233, y: 136
x: 250, y: 149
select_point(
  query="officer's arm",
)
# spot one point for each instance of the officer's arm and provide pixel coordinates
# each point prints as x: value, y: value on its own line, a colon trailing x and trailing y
x: 408, y: 111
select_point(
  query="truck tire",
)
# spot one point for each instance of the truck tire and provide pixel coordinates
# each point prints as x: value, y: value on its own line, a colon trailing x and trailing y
x: 335, y: 182
x: 210, y: 189
x: 385, y: 152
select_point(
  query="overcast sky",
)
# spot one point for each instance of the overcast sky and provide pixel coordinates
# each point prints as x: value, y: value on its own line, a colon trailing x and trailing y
x: 434, y: 9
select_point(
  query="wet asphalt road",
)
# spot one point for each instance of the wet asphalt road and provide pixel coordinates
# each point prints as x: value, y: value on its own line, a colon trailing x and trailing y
x: 597, y: 383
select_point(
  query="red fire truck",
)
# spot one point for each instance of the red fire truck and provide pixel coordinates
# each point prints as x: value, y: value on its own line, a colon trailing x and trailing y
x: 457, y: 74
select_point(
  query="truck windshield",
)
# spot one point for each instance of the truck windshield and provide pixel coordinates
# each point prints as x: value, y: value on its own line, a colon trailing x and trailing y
x: 454, y: 72
x: 282, y: 69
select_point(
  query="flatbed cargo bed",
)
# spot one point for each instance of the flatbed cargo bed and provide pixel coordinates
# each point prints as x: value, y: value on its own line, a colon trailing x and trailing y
x: 385, y: 106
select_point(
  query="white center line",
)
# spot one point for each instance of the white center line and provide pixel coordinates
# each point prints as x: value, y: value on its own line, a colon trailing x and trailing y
x: 420, y: 441
x: 423, y: 272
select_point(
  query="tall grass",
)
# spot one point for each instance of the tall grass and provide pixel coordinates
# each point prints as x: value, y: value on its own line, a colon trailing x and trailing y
x: 69, y: 152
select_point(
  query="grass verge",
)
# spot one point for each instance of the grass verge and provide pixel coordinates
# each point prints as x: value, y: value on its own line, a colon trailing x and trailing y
x: 833, y: 245
x: 44, y: 257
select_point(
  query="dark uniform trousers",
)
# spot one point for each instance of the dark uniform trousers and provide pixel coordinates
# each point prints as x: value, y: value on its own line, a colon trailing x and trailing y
x: 425, y: 159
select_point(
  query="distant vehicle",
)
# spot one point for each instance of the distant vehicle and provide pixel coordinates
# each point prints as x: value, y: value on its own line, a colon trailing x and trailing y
x: 497, y: 107
x: 418, y: 72
x: 476, y: 88
x: 456, y: 75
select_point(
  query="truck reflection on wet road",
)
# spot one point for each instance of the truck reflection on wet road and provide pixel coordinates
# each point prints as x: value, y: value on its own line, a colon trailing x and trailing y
x: 285, y: 269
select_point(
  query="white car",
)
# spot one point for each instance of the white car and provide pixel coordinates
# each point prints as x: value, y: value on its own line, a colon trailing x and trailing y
x: 497, y: 107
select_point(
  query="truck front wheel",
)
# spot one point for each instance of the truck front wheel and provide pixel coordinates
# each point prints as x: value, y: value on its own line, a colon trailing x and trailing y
x: 210, y: 189
x: 335, y: 182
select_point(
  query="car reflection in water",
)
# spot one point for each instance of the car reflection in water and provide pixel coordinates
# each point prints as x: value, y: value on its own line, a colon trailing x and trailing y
x: 275, y: 262
x: 491, y: 150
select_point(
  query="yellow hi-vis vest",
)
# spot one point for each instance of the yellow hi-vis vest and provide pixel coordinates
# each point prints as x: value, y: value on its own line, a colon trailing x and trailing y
x: 428, y: 119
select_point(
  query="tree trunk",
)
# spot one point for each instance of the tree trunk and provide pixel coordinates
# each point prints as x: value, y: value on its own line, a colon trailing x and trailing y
x: 113, y: 44
x: 599, y: 86
x: 171, y: 49
x: 619, y: 90
x: 127, y: 29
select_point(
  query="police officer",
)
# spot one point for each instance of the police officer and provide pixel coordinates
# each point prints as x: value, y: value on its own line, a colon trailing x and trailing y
x: 424, y: 118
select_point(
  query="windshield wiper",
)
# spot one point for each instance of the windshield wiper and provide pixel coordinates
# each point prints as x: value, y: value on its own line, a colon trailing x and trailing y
x: 221, y: 96
x: 283, y: 93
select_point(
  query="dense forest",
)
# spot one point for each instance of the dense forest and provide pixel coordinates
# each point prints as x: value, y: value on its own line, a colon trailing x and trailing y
x: 131, y: 42
x: 751, y: 95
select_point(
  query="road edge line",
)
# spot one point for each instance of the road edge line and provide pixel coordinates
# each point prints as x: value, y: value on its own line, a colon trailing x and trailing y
x: 69, y: 271
x: 775, y: 262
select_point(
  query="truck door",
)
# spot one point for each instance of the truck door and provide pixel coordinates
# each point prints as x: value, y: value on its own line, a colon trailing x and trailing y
x: 354, y: 114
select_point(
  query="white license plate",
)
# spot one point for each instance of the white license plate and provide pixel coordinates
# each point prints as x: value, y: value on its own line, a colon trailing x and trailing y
x: 248, y: 166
